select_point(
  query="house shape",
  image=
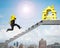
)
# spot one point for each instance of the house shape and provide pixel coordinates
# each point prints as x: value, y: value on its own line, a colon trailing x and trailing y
x: 45, y: 13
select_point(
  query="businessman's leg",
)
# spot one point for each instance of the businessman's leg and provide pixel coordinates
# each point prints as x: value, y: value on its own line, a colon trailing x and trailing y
x: 12, y: 27
x: 17, y: 25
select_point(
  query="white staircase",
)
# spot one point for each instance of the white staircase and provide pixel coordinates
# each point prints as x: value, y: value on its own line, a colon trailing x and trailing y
x: 44, y: 22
